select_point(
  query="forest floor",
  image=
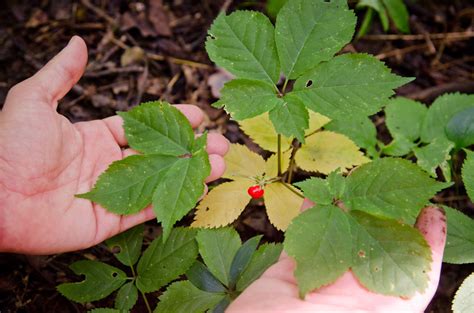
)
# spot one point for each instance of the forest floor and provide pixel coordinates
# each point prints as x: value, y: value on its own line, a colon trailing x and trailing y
x: 148, y: 50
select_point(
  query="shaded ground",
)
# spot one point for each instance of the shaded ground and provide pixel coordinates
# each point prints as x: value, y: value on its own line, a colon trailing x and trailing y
x: 142, y: 51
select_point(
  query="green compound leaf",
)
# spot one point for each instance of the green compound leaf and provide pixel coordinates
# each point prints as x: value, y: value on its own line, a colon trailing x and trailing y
x: 468, y: 174
x: 290, y: 118
x: 317, y: 190
x: 243, y: 43
x: 262, y: 259
x: 460, y: 240
x: 399, y: 14
x: 389, y: 257
x: 171, y: 174
x: 100, y: 281
x: 200, y: 277
x: 157, y: 127
x: 184, y: 297
x: 308, y: 32
x: 181, y: 187
x: 165, y: 260
x: 127, y: 186
x: 388, y: 187
x: 464, y: 299
x: 218, y: 248
x: 441, y: 112
x: 129, y: 243
x: 127, y: 296
x: 248, y: 98
x: 348, y: 85
x: 359, y: 129
x: 433, y: 155
x: 404, y: 118
x: 318, y: 240
x: 460, y: 128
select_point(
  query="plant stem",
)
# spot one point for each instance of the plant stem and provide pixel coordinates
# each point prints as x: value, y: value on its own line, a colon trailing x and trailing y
x: 287, y: 186
x: 283, y: 89
x: 279, y: 153
x: 146, y: 303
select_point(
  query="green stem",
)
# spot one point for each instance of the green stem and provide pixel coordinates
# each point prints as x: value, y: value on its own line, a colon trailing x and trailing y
x: 287, y: 186
x: 283, y: 89
x: 146, y: 303
x: 279, y: 154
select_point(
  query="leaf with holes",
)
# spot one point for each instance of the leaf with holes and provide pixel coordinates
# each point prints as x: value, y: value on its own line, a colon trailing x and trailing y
x: 100, y: 281
x: 386, y: 248
x: 130, y: 245
x: 347, y: 85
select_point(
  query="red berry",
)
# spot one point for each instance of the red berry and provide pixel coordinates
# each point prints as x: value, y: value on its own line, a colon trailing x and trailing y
x: 256, y: 191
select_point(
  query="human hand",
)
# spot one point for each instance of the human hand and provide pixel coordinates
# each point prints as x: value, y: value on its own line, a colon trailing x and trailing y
x: 277, y: 291
x: 45, y: 160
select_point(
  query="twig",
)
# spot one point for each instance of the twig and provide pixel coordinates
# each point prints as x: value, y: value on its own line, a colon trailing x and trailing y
x: 433, y: 92
x: 436, y: 36
x: 99, y: 12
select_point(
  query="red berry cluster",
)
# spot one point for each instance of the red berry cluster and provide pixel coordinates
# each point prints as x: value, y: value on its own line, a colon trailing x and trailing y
x: 256, y: 192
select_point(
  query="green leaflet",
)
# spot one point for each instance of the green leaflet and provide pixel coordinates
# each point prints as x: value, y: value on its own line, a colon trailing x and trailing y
x: 243, y: 43
x: 359, y: 129
x: 100, y: 281
x: 389, y: 257
x: 433, y: 155
x: 200, y: 277
x: 377, y: 5
x: 399, y: 14
x: 184, y: 297
x: 460, y: 240
x: 248, y: 98
x: 347, y: 85
x: 468, y: 174
x: 170, y: 174
x: 388, y: 187
x: 290, y: 118
x: 404, y: 117
x: 242, y: 259
x: 157, y: 127
x: 129, y: 243
x: 460, y: 128
x: 218, y: 248
x: 325, y: 252
x: 440, y: 112
x: 308, y: 32
x: 464, y: 301
x: 127, y: 296
x: 317, y: 190
x: 399, y: 147
x: 265, y: 256
x: 166, y: 259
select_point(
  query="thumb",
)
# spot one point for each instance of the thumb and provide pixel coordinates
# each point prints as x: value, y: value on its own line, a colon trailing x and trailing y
x: 57, y: 77
x: 432, y: 224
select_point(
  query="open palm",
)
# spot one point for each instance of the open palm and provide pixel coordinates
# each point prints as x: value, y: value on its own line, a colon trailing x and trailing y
x: 277, y: 291
x: 45, y: 160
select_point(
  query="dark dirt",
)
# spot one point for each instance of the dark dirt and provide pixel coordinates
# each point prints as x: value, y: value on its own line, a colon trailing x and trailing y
x: 175, y: 68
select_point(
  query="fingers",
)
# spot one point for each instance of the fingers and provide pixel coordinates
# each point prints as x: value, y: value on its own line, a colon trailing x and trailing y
x: 432, y: 224
x: 115, y: 123
x: 217, y: 167
x: 57, y: 77
x: 306, y: 204
x: 129, y: 221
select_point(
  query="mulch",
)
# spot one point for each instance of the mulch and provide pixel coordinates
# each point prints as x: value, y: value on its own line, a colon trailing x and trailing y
x: 147, y: 50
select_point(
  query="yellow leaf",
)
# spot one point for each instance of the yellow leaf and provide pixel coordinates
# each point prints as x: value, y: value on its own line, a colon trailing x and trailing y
x: 326, y: 151
x: 271, y: 165
x: 316, y: 121
x: 282, y: 205
x: 223, y: 204
x: 242, y: 163
x: 260, y: 130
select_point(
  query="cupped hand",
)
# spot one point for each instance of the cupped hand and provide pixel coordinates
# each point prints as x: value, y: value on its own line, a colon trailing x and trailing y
x: 276, y: 290
x: 45, y: 160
